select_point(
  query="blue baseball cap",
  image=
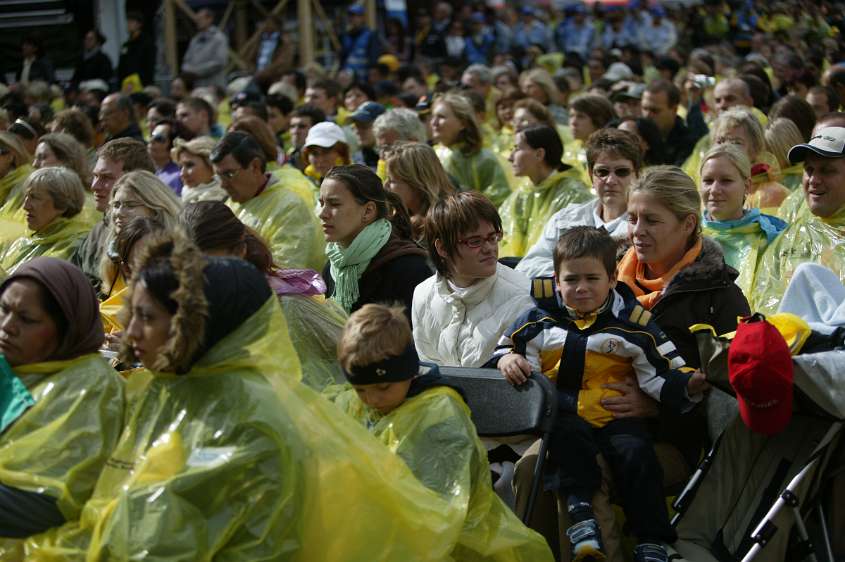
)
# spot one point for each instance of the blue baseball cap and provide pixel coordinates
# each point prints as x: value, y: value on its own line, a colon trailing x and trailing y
x: 367, y: 112
x: 356, y: 9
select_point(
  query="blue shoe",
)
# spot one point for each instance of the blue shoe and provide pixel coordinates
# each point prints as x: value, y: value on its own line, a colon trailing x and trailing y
x: 585, y: 540
x: 650, y: 552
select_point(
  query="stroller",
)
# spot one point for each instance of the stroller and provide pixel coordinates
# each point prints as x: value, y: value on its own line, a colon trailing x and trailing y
x: 763, y: 498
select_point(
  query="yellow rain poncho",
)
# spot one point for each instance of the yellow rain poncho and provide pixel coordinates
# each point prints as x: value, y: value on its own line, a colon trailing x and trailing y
x: 793, y: 176
x: 296, y: 181
x: 575, y: 155
x: 11, y: 197
x: 111, y: 307
x: 808, y: 239
x: 433, y: 433
x: 287, y: 224
x: 236, y: 460
x: 59, y: 239
x: 527, y: 210
x: 793, y: 206
x: 743, y: 241
x: 316, y: 325
x: 59, y: 446
x: 481, y: 172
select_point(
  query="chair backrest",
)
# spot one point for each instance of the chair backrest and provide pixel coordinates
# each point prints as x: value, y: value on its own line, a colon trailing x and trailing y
x: 498, y: 408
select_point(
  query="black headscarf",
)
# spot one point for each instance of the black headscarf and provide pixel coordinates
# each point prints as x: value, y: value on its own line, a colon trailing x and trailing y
x: 71, y: 289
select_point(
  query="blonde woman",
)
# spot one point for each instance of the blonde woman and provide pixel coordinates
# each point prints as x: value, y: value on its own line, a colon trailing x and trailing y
x: 136, y: 194
x: 782, y: 134
x: 53, y: 200
x: 198, y: 180
x: 415, y: 174
x: 538, y: 84
x: 743, y: 233
x: 455, y: 129
x: 739, y: 126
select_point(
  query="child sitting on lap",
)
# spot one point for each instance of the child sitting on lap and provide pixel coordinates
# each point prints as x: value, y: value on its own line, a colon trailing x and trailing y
x: 585, y: 334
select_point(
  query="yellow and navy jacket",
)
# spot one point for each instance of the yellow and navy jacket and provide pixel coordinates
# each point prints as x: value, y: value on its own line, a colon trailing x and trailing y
x: 582, y: 354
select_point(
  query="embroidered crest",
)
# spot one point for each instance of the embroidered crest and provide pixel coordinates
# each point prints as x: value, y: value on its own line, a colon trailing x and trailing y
x: 610, y: 346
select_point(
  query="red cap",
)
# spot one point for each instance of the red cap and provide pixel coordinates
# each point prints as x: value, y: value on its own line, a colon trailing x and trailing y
x: 760, y: 368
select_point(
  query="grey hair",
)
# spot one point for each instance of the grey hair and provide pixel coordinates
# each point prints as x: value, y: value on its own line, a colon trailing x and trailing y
x: 480, y: 71
x: 404, y: 121
x: 62, y: 185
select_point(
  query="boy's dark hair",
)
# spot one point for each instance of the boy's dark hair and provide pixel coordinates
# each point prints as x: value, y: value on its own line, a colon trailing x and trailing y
x: 316, y: 114
x: 331, y: 87
x: 281, y: 102
x: 586, y: 242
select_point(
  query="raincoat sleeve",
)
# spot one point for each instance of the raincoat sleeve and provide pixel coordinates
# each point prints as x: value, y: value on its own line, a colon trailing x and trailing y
x: 538, y: 261
x: 491, y: 177
x: 315, y: 329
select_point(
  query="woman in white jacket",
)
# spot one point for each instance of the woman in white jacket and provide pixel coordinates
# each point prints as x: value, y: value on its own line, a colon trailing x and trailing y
x: 460, y: 312
x: 614, y: 158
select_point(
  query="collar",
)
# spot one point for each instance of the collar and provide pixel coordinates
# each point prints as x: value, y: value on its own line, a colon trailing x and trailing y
x: 470, y: 296
x: 585, y: 321
x: 264, y: 185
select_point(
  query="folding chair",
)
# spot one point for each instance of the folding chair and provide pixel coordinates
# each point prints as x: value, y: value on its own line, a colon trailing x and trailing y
x: 499, y: 409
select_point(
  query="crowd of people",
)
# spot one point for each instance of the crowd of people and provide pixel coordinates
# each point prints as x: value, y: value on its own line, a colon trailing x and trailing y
x: 225, y: 299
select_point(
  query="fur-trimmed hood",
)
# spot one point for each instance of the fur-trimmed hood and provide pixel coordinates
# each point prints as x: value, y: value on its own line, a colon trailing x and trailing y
x: 709, y: 270
x: 187, y: 328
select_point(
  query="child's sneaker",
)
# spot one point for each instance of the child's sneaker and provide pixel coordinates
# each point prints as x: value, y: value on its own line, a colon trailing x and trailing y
x: 650, y: 552
x: 585, y: 538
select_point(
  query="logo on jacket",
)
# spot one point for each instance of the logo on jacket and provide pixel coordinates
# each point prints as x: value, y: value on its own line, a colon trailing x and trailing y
x: 610, y: 346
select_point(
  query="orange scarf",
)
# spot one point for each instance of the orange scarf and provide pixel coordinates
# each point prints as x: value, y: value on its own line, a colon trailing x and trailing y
x: 632, y: 273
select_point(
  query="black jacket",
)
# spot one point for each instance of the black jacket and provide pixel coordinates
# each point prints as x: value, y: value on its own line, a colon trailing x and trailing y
x: 392, y: 275
x: 41, y: 69
x: 704, y: 292
x: 97, y: 66
x: 683, y: 136
x: 133, y: 131
x: 138, y: 55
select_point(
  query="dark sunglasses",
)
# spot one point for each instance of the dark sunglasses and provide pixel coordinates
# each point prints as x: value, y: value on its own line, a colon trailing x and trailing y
x: 618, y: 172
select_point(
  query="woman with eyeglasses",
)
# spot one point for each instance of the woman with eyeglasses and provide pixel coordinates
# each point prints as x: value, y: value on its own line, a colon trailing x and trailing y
x: 53, y: 200
x: 553, y: 185
x: 614, y: 159
x: 159, y: 148
x: 460, y: 312
x: 371, y: 251
x: 136, y: 194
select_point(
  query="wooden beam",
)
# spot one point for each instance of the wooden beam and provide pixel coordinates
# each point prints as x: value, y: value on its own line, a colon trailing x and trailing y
x: 171, y: 54
x: 261, y: 9
x: 240, y: 22
x: 226, y: 15
x: 327, y: 24
x: 306, y: 31
x: 372, y: 13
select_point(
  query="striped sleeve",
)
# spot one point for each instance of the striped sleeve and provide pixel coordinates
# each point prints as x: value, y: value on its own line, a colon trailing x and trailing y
x: 521, y: 337
x: 662, y: 372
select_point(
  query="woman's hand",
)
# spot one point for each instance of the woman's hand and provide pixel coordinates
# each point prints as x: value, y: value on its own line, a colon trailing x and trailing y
x: 113, y: 341
x: 633, y: 403
x: 697, y: 383
x: 515, y: 368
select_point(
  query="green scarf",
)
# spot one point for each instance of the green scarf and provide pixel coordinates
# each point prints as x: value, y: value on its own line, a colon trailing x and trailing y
x: 348, y: 264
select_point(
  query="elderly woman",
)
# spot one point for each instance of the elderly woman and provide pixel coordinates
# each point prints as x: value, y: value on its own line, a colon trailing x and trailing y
x: 457, y: 132
x: 222, y: 439
x: 315, y: 323
x: 415, y: 174
x: 461, y: 311
x: 52, y: 204
x: 739, y: 126
x: 14, y: 169
x: 61, y: 149
x: 372, y: 256
x: 65, y: 405
x: 136, y: 194
x: 552, y: 185
x: 742, y: 233
x: 198, y: 180
x: 614, y: 159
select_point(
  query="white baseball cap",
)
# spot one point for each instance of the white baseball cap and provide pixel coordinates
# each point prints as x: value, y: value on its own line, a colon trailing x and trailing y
x: 325, y: 134
x: 828, y: 142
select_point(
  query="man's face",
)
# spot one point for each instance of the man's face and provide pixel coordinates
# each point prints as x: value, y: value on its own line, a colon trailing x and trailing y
x: 112, y: 118
x: 204, y: 19
x: 106, y: 173
x: 656, y: 107
x: 728, y: 95
x: 385, y: 139
x: 319, y: 98
x: 364, y: 132
x: 471, y: 81
x: 278, y: 121
x: 240, y: 183
x: 90, y: 41
x: 824, y: 184
x: 299, y: 127
x: 412, y: 86
x: 194, y: 121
